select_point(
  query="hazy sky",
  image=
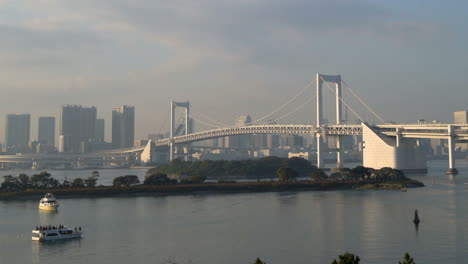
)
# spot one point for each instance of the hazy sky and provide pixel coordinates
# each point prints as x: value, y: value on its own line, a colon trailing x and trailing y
x: 408, y: 59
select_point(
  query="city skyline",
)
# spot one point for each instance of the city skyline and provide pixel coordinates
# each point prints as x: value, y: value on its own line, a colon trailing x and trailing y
x: 106, y: 54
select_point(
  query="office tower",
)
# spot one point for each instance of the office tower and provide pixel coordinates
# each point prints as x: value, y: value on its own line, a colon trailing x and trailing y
x: 273, y: 141
x: 291, y: 140
x: 460, y: 117
x: 77, y: 127
x: 99, y: 130
x: 46, y: 130
x: 17, y: 130
x: 123, y: 126
x: 259, y: 141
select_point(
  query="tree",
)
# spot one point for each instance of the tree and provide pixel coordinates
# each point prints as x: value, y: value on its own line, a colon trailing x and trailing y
x: 407, y: 259
x: 23, y: 181
x: 286, y: 174
x: 158, y: 179
x: 193, y: 180
x: 9, y: 184
x: 44, y: 180
x: 259, y: 261
x: 91, y: 181
x: 95, y: 174
x: 318, y: 175
x: 127, y: 180
x: 78, y: 183
x: 347, y: 258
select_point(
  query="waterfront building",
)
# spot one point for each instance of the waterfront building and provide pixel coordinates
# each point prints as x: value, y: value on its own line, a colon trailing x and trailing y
x: 46, y: 130
x: 123, y: 126
x: 273, y: 141
x: 291, y: 140
x: 100, y: 130
x: 17, y: 131
x: 461, y: 117
x: 77, y: 127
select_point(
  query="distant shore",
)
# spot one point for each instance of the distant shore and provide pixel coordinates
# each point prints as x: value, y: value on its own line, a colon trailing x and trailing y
x: 208, y: 188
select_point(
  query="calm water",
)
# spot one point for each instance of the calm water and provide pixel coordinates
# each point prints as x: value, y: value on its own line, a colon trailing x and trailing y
x: 286, y: 228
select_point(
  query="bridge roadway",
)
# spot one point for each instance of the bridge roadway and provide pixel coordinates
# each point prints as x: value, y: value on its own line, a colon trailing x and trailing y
x: 459, y: 133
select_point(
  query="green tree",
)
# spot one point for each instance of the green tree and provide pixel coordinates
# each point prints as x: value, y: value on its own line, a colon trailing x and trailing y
x: 9, y: 184
x: 95, y: 174
x: 347, y: 258
x: 24, y: 181
x: 407, y: 259
x: 158, y: 179
x: 44, y: 180
x: 127, y: 180
x: 78, y: 183
x: 259, y: 261
x: 193, y: 180
x: 286, y: 174
x: 91, y: 181
x: 318, y: 175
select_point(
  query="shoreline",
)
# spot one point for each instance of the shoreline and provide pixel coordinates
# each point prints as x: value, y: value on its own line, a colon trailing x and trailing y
x: 207, y: 188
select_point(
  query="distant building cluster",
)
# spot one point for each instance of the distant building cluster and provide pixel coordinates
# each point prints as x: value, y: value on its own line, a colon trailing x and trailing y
x: 79, y: 131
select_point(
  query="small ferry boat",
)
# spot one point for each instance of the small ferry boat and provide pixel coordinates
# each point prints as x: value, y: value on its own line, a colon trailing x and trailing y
x: 48, y: 203
x: 46, y: 233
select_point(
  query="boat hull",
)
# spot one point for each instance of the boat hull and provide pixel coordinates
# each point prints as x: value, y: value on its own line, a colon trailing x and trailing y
x: 62, y: 237
x: 48, y: 207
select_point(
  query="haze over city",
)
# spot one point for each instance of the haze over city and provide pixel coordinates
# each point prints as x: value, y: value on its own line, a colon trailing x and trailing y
x: 230, y: 57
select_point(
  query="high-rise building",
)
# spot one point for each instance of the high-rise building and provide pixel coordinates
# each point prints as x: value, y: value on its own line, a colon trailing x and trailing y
x: 291, y: 140
x: 460, y: 117
x: 77, y: 127
x: 99, y: 130
x: 273, y: 141
x: 46, y: 130
x: 123, y: 126
x: 17, y: 130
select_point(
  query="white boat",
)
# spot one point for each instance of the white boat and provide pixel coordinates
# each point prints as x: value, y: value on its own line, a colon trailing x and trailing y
x: 48, y: 203
x: 55, y: 233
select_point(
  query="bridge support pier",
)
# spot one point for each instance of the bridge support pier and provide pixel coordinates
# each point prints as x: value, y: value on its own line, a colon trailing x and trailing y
x: 451, y: 145
x: 319, y: 151
x: 171, y: 152
x: 339, y: 154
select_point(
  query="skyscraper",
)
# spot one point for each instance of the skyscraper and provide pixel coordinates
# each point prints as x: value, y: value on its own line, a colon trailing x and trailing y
x: 460, y: 117
x: 17, y: 130
x: 123, y: 126
x: 46, y: 130
x: 77, y: 127
x: 100, y: 128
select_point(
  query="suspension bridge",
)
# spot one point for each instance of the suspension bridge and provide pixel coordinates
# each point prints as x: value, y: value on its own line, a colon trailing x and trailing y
x: 385, y: 145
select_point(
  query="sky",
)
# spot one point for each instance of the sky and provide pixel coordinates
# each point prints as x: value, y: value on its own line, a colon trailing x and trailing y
x: 406, y: 58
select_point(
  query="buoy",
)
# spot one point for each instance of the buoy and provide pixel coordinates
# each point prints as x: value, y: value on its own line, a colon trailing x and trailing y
x: 416, y: 218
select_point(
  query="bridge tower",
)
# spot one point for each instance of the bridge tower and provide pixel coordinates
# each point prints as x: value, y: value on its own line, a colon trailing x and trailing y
x: 320, y: 79
x: 186, y: 106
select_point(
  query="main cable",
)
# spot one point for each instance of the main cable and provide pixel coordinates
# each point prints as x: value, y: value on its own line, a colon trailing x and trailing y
x: 284, y: 105
x: 363, y: 103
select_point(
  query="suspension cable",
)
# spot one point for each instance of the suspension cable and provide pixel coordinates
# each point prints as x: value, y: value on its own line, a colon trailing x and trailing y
x: 284, y: 105
x: 203, y: 122
x: 341, y: 99
x: 214, y: 121
x: 292, y: 112
x: 364, y: 103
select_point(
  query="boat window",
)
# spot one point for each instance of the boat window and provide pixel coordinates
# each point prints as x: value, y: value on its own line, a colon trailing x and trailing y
x: 52, y: 234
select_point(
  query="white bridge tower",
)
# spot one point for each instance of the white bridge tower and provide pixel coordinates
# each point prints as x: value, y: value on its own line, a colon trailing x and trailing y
x: 320, y: 79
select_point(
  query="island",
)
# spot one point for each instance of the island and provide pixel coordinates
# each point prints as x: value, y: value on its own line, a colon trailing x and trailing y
x: 270, y: 174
